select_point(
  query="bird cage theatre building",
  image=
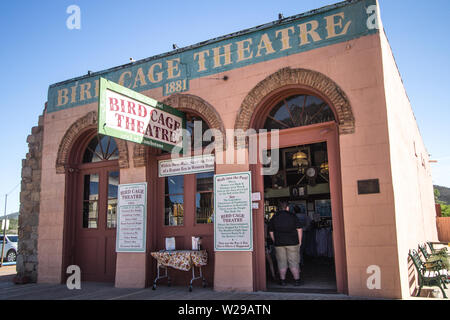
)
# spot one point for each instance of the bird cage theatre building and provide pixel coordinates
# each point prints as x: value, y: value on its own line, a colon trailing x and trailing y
x: 350, y: 160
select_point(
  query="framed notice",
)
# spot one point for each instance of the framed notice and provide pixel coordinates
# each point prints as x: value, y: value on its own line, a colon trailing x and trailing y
x: 186, y: 165
x: 131, y: 217
x: 233, y: 212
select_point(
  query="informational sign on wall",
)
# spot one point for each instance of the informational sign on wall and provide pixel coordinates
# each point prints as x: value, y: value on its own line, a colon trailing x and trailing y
x: 186, y: 165
x: 131, y: 217
x: 233, y: 212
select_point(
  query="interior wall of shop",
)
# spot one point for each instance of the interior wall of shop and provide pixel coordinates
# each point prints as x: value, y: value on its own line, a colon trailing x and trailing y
x: 415, y: 212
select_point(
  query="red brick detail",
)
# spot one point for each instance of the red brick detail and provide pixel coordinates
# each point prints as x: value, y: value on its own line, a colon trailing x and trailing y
x: 305, y: 78
x: 186, y: 103
x: 87, y: 122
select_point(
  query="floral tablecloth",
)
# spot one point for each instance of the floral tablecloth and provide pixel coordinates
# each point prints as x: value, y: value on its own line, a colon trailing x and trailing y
x: 181, y: 259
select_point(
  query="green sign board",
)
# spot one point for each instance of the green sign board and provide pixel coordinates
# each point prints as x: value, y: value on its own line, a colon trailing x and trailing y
x: 172, y: 71
x: 129, y: 115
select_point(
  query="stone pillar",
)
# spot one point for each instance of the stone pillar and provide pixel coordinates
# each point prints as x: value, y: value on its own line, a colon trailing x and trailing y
x: 27, y: 260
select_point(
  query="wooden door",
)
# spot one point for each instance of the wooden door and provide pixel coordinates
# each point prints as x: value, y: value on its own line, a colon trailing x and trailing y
x: 185, y: 209
x: 95, y: 229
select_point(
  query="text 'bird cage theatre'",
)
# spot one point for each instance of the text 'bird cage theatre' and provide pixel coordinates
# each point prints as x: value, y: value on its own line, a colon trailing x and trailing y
x: 309, y: 110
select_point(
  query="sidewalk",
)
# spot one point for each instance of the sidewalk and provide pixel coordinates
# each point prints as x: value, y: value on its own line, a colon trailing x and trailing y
x: 107, y: 291
x: 103, y: 291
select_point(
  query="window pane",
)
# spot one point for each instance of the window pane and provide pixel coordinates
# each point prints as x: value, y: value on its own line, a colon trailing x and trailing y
x: 283, y: 115
x: 90, y: 198
x: 193, y: 122
x: 298, y: 110
x: 101, y: 148
x: 90, y: 214
x: 174, y: 185
x: 205, y: 181
x: 113, y: 183
x: 108, y: 146
x: 111, y: 217
x: 204, y: 203
x: 204, y: 198
x: 174, y: 210
x: 90, y: 187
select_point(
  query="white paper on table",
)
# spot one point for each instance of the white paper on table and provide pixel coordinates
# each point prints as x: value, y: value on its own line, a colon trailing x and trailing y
x: 170, y: 243
x: 195, y: 243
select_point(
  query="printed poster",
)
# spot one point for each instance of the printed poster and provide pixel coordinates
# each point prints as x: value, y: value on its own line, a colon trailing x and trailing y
x: 131, y: 217
x: 233, y: 212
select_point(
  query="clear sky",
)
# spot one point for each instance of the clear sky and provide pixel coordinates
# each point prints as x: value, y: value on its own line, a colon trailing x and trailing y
x: 37, y: 49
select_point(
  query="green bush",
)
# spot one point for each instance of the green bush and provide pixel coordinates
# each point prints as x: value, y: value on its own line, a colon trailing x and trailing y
x: 445, y: 209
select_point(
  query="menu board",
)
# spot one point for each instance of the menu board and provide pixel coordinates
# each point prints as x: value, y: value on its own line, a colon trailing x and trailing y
x: 131, y: 217
x: 233, y: 212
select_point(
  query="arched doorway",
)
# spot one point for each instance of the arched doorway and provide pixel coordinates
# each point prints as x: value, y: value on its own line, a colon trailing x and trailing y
x: 90, y: 227
x: 308, y: 178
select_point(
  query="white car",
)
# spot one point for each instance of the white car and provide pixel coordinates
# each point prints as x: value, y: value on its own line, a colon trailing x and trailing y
x: 10, y: 252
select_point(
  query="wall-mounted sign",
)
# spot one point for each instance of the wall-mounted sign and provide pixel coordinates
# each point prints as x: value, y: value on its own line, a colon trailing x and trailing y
x: 233, y: 230
x: 186, y: 165
x: 172, y: 71
x: 256, y: 196
x: 368, y: 186
x: 129, y: 115
x: 131, y: 217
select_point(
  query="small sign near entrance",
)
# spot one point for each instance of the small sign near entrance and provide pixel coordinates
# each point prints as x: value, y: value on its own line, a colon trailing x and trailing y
x: 186, y: 165
x: 129, y: 115
x: 233, y: 212
x: 131, y: 217
x: 368, y: 186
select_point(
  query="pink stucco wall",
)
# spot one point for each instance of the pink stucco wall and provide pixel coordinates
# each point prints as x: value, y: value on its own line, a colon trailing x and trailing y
x: 51, y: 216
x: 415, y: 213
x: 131, y: 267
x: 374, y: 224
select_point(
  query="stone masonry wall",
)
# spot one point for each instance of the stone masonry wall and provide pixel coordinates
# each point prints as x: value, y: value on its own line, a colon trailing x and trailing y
x: 27, y: 260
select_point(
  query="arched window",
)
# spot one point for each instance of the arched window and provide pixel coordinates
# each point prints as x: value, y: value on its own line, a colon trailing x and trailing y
x: 194, y: 121
x: 297, y: 111
x: 101, y: 148
x: 191, y: 122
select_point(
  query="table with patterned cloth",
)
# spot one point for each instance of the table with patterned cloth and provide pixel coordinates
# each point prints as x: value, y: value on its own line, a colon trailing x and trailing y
x: 184, y: 260
x: 181, y: 259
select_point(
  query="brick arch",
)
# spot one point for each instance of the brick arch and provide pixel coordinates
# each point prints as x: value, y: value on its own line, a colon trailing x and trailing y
x: 185, y: 102
x: 304, y: 78
x: 89, y: 121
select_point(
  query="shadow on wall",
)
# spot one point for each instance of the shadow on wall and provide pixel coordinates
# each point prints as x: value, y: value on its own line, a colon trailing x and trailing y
x: 412, y: 277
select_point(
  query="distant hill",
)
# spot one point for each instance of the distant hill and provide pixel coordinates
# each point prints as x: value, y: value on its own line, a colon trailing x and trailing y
x: 445, y: 194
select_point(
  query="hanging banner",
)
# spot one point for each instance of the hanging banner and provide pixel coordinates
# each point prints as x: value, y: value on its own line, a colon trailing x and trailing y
x: 186, y: 165
x: 233, y: 229
x: 129, y: 115
x: 131, y: 217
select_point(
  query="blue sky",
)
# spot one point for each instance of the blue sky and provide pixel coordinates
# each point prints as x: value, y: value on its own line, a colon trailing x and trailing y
x: 37, y: 49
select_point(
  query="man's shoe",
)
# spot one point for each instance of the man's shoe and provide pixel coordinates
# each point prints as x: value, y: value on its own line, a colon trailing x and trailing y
x: 282, y: 282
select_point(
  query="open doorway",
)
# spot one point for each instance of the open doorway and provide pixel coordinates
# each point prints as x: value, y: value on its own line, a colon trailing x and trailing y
x: 303, y: 182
